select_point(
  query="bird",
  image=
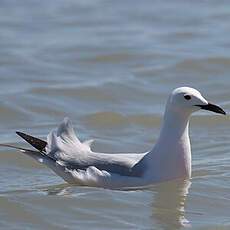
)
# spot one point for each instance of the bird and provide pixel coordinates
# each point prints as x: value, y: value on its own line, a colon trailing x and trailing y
x: 169, y: 159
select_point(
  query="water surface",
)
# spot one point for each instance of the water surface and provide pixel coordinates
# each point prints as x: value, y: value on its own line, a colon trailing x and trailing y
x: 110, y: 66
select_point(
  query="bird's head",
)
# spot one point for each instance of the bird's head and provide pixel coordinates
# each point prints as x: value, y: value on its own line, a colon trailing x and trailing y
x: 188, y: 100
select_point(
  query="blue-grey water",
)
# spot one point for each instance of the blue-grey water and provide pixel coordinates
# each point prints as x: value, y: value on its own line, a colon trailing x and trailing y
x: 109, y: 66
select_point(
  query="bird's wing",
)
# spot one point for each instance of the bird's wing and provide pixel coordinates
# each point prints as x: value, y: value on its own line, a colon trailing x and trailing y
x: 67, y: 150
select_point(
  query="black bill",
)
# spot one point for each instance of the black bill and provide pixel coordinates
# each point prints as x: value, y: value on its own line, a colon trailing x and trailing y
x: 213, y: 108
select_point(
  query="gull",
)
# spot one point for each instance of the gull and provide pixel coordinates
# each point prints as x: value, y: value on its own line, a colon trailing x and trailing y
x: 169, y: 159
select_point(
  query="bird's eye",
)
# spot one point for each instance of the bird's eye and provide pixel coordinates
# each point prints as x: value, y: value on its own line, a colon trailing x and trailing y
x: 187, y: 97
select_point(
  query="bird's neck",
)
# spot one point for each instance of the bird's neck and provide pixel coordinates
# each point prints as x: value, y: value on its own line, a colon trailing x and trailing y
x: 175, y: 126
x: 171, y: 156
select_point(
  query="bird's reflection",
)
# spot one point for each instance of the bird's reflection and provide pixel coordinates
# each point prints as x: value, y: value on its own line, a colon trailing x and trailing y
x: 67, y: 190
x: 58, y: 190
x: 168, y: 207
x: 168, y: 200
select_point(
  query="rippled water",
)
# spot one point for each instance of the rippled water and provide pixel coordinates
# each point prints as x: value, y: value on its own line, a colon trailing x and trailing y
x: 110, y: 66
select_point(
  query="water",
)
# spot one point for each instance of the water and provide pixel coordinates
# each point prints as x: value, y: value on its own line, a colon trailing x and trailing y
x: 110, y: 66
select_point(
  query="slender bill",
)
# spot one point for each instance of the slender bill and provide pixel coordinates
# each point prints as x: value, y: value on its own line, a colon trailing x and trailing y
x: 213, y: 108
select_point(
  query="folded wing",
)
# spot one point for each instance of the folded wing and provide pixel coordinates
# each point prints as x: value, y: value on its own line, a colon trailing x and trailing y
x: 68, y: 151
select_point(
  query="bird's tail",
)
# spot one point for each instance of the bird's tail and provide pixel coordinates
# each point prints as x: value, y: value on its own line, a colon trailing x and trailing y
x: 34, y: 154
x: 48, y: 161
x: 63, y: 138
x: 39, y: 154
x: 15, y: 147
x: 38, y: 144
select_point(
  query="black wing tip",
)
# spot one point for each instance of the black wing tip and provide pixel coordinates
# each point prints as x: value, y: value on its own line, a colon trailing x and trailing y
x: 20, y: 133
x: 34, y: 141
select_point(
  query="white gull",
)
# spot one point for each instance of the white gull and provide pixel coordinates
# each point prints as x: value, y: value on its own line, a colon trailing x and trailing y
x: 169, y: 159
